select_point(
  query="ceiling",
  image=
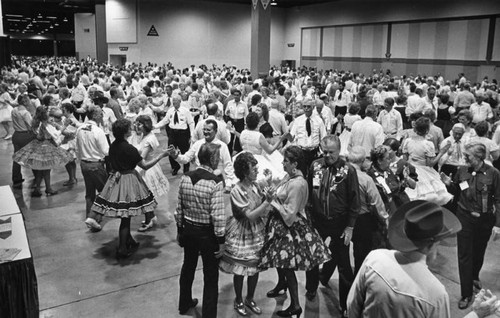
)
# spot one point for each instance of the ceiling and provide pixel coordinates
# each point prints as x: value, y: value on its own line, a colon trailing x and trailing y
x: 42, y: 17
x: 50, y: 17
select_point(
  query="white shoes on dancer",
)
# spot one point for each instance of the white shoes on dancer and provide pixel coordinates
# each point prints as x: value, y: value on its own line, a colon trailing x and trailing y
x: 93, y: 225
x: 145, y: 227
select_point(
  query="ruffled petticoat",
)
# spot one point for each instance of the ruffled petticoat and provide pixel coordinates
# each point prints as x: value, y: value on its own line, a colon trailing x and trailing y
x: 429, y: 187
x: 156, y: 181
x: 41, y: 155
x: 125, y: 194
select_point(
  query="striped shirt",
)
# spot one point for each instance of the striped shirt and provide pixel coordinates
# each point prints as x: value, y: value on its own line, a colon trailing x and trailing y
x: 201, y: 201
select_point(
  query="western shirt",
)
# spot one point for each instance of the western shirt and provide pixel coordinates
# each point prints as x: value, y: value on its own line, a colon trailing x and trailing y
x: 388, y: 287
x: 334, y: 190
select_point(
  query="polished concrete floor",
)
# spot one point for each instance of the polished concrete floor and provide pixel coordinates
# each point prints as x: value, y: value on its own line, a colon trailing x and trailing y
x: 78, y: 274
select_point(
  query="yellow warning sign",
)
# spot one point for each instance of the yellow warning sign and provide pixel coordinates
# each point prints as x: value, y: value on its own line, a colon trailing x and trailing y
x: 152, y: 31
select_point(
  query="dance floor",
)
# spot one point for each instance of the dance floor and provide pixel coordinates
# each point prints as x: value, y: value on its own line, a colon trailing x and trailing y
x: 78, y: 274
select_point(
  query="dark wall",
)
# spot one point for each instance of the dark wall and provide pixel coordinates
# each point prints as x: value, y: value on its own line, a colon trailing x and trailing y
x: 42, y: 47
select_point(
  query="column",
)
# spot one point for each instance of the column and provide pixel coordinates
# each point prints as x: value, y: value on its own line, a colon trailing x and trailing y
x: 100, y: 30
x: 1, y: 20
x: 4, y: 43
x: 260, y: 41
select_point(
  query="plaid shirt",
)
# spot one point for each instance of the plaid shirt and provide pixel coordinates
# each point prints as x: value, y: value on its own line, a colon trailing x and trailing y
x: 202, y: 202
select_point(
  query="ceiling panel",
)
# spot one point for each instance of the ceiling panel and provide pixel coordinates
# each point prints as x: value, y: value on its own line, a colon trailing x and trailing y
x: 49, y: 17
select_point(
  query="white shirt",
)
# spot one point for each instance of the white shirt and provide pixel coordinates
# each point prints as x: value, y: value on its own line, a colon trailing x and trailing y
x: 278, y: 122
x: 342, y: 98
x: 327, y: 117
x: 481, y: 112
x: 391, y: 122
x: 299, y: 131
x: 225, y: 162
x: 378, y: 98
x: 367, y: 134
x: 388, y: 287
x: 414, y: 104
x: 183, y: 114
x: 236, y: 110
x: 222, y: 133
x: 91, y: 142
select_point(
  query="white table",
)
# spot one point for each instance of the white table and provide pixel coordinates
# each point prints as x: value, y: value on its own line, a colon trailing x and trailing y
x: 18, y: 238
x: 8, y: 204
x: 18, y: 281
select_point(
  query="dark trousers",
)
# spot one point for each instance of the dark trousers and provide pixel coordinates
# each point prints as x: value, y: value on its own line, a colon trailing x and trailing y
x: 200, y: 241
x: 334, y: 228
x: 19, y: 140
x: 310, y: 156
x: 472, y: 241
x: 94, y: 176
x: 362, y: 237
x: 179, y: 138
x: 449, y: 170
x: 234, y: 143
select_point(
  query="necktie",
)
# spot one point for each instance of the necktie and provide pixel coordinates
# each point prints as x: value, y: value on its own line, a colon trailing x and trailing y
x: 176, y: 118
x: 308, y: 126
x: 168, y: 101
x: 459, y: 150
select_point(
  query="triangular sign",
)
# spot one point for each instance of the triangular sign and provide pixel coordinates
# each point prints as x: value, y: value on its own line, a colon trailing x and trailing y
x: 255, y: 3
x: 152, y: 31
x: 265, y: 3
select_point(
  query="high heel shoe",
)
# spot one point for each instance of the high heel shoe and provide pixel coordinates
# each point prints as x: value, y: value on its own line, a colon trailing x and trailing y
x: 253, y: 306
x: 240, y: 308
x: 276, y: 291
x: 144, y: 227
x: 289, y: 312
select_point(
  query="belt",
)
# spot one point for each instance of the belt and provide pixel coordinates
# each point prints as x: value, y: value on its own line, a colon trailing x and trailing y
x: 92, y: 161
x: 478, y: 214
x: 196, y: 224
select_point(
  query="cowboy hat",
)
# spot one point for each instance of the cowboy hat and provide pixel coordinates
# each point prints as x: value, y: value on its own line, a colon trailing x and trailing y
x: 418, y: 223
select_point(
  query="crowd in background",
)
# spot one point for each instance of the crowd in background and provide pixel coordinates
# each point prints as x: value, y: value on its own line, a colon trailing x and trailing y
x: 305, y: 154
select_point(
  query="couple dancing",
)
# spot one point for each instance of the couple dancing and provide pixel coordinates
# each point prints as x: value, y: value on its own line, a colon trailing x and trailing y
x: 254, y: 141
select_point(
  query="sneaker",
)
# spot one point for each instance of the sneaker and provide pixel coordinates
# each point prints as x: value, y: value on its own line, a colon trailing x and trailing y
x: 9, y: 136
x: 93, y: 225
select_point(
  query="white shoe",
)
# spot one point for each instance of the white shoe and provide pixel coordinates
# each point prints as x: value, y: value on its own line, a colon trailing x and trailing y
x: 145, y: 227
x: 9, y: 136
x: 93, y: 225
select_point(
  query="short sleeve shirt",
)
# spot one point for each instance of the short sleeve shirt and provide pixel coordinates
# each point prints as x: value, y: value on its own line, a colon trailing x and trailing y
x: 123, y: 156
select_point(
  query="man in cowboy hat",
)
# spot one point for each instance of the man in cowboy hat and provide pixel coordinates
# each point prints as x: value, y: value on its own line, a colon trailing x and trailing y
x: 398, y: 283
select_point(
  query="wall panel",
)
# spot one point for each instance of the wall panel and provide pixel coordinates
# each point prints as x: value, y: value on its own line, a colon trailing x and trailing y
x: 311, y: 42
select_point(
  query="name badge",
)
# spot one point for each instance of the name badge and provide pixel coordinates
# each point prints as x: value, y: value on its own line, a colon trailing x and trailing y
x: 464, y: 185
x: 316, y: 182
x: 382, y: 182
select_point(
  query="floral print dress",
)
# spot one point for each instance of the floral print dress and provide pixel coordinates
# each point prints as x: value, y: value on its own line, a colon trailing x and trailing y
x: 291, y: 242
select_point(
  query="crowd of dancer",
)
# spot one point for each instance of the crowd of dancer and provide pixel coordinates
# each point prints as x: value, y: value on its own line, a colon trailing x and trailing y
x: 312, y: 161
